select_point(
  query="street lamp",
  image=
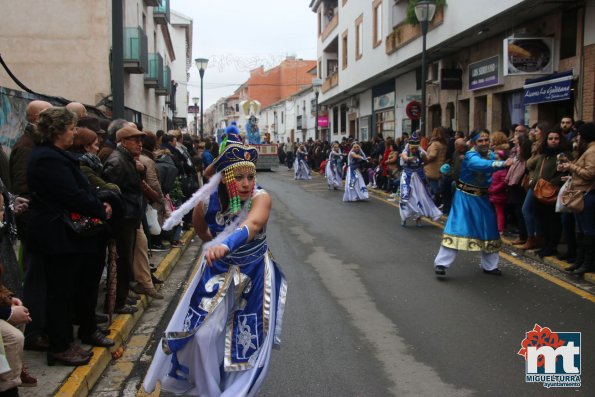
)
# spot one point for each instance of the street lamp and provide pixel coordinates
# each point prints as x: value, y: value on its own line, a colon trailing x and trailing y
x: 424, y: 11
x: 201, y: 64
x: 195, y: 100
x: 316, y: 84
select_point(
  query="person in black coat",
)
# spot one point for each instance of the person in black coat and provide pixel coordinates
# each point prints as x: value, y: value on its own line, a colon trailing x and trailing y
x: 58, y: 188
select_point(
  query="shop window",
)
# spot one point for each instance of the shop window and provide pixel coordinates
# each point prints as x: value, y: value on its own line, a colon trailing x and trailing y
x: 385, y: 122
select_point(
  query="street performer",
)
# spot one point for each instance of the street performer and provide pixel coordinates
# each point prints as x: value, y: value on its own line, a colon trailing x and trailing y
x: 219, y: 340
x: 471, y: 224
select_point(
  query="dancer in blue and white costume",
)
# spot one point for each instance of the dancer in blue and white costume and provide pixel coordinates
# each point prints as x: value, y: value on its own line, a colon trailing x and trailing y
x: 355, y: 187
x: 219, y: 340
x: 471, y: 224
x: 415, y: 199
x: 334, y: 168
x: 300, y: 165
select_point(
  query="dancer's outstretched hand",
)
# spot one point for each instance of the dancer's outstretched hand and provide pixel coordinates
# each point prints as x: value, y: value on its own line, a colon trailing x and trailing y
x: 215, y: 253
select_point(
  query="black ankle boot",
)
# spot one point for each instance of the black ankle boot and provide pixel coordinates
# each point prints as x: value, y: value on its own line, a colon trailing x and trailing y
x: 588, y: 264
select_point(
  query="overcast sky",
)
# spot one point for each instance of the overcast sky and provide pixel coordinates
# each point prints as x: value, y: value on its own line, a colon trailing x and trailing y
x: 239, y: 35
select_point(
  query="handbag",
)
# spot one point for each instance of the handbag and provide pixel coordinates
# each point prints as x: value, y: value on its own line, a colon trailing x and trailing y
x: 81, y: 226
x: 560, y: 207
x: 573, y: 199
x: 153, y: 221
x: 544, y: 191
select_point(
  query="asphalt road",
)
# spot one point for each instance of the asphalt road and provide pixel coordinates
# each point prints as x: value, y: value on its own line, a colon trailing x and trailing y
x: 367, y: 317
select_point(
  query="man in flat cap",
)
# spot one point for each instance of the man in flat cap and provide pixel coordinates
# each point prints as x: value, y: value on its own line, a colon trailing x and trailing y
x: 122, y: 168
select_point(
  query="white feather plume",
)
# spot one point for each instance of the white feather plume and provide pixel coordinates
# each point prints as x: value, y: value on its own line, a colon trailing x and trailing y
x: 200, y: 195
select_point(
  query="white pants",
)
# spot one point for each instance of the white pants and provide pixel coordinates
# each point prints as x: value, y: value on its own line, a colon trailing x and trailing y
x: 446, y: 256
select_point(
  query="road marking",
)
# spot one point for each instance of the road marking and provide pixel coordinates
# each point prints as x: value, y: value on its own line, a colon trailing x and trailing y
x: 564, y: 284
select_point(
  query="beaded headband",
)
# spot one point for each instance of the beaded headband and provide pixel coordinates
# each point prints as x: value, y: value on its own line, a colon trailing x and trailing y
x: 233, y: 157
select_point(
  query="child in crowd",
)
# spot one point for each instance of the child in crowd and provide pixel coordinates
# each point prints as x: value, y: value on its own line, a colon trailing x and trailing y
x: 497, y: 191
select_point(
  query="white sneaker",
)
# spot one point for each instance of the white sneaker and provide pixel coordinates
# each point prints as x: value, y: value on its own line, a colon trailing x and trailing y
x: 393, y: 195
x: 374, y: 187
x: 391, y: 199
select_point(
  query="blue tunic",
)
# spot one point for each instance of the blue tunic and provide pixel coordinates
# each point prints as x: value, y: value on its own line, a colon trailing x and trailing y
x: 219, y: 339
x: 471, y: 224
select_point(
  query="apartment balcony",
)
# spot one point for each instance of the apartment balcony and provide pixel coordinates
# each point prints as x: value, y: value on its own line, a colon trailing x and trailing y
x: 404, y: 32
x: 330, y: 82
x: 135, y: 50
x: 161, y: 13
x: 154, y: 75
x: 165, y: 88
x: 330, y: 27
x: 152, y: 3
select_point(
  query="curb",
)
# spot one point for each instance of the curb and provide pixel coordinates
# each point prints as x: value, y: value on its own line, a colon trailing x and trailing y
x: 83, y: 378
x: 551, y: 261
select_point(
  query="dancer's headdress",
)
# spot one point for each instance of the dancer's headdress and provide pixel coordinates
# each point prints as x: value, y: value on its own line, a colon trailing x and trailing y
x: 233, y: 154
x: 414, y: 139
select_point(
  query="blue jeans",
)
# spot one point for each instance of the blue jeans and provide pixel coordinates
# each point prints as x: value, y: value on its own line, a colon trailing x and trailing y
x: 585, y: 220
x: 532, y: 222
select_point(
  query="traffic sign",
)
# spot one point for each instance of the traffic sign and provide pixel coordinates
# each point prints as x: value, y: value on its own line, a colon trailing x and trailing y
x: 193, y: 109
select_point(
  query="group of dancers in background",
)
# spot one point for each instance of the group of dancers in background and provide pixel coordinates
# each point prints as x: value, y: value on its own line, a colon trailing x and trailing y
x: 416, y: 200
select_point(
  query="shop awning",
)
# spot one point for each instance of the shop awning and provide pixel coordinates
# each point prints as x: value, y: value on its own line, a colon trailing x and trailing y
x: 551, y: 88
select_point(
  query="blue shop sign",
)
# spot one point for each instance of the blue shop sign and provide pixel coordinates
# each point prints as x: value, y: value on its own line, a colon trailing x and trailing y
x: 551, y: 88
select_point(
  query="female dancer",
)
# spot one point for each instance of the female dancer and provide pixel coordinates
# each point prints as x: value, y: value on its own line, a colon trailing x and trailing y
x: 355, y: 187
x: 334, y: 168
x: 300, y: 165
x: 415, y: 198
x: 219, y: 340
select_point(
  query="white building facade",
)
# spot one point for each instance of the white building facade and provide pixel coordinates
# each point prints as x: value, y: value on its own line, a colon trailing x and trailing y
x: 369, y: 58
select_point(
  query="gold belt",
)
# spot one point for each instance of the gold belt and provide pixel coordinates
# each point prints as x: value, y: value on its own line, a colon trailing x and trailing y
x: 470, y: 189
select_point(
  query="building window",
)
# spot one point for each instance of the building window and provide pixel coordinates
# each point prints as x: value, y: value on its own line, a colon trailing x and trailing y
x: 568, y: 35
x: 377, y: 25
x: 359, y: 37
x: 319, y: 22
x: 344, y: 49
x: 335, y: 120
x: 343, y: 117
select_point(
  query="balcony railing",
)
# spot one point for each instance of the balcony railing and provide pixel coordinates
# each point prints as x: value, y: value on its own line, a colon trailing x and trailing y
x: 161, y: 13
x: 165, y: 88
x: 154, y: 76
x: 330, y: 82
x: 404, y: 32
x: 328, y: 29
x: 135, y: 50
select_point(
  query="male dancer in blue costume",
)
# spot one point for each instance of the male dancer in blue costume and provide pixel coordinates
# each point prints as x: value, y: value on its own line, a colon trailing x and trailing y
x: 471, y: 224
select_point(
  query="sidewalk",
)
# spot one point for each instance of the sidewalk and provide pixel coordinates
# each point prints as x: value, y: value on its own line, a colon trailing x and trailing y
x: 66, y: 381
x: 551, y: 261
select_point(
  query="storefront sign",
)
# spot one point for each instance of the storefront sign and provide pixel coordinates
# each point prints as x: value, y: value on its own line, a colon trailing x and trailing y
x: 451, y: 79
x: 484, y: 73
x: 528, y: 55
x: 322, y: 121
x: 413, y: 110
x: 552, y: 88
x: 384, y: 101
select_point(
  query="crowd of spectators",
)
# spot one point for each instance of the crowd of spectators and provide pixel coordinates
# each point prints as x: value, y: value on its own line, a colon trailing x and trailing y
x: 557, y: 154
x: 68, y: 166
